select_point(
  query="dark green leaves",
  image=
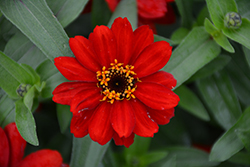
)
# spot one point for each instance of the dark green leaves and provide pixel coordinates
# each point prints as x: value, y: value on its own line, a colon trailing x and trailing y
x: 137, y: 154
x: 191, y: 103
x: 64, y: 116
x: 42, y: 27
x: 185, y: 9
x: 196, y: 49
x: 25, y: 123
x: 66, y: 10
x: 218, y: 36
x: 13, y: 75
x: 87, y: 153
x: 122, y: 11
x: 51, y: 76
x: 188, y: 157
x: 233, y: 140
x: 103, y: 18
x: 220, y: 97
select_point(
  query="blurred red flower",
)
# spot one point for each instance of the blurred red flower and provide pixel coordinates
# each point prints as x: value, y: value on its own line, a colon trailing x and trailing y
x: 117, y: 90
x: 12, y: 147
x: 151, y: 12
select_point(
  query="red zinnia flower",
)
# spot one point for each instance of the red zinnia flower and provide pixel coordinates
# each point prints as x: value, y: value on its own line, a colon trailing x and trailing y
x: 117, y: 90
x: 12, y: 147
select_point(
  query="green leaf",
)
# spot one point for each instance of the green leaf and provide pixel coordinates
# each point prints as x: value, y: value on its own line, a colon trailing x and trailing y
x: 122, y: 11
x: 218, y: 36
x: 209, y: 27
x: 37, y: 22
x: 160, y: 38
x: 191, y: 103
x: 6, y: 32
x: 240, y: 158
x: 66, y: 11
x: 7, y: 106
x: 87, y: 153
x: 244, y: 136
x: 179, y: 35
x: 241, y: 35
x: 247, y: 54
x: 219, y: 95
x: 185, y: 9
x: 169, y: 161
x: 64, y: 116
x: 28, y: 98
x: 218, y: 10
x: 227, y: 145
x: 230, y: 143
x: 51, y: 76
x: 151, y: 157
x: 22, y: 50
x: 202, y: 15
x: 100, y: 13
x: 32, y: 72
x: 243, y: 7
x: 13, y: 75
x: 169, y: 134
x: 215, y: 65
x: 110, y: 159
x: 239, y: 72
x: 189, y: 157
x: 139, y: 147
x: 196, y: 49
x: 25, y: 123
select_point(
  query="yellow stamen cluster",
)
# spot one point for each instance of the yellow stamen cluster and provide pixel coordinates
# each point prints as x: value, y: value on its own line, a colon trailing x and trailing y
x: 117, y: 82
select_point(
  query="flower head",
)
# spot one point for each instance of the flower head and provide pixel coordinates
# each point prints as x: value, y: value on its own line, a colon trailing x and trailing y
x: 12, y: 148
x: 117, y: 90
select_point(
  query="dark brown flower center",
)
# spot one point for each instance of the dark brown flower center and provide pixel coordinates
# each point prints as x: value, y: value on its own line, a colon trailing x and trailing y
x: 117, y: 82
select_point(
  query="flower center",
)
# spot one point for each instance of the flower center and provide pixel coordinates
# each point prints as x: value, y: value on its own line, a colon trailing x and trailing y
x: 117, y: 82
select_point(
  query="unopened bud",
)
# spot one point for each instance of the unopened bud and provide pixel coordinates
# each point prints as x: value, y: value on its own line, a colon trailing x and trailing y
x: 22, y: 89
x: 232, y: 20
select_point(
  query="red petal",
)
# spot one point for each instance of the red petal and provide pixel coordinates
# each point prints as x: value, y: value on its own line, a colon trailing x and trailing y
x: 123, y: 32
x: 156, y: 96
x: 124, y: 141
x: 161, y: 77
x: 5, y: 150
x: 80, y: 123
x: 65, y: 92
x: 143, y: 36
x: 73, y: 70
x: 100, y: 129
x: 17, y: 144
x: 161, y: 117
x: 104, y: 44
x: 112, y: 4
x: 84, y: 52
x: 123, y: 118
x: 43, y: 158
x: 152, y: 58
x: 85, y: 100
x: 144, y: 126
x: 151, y: 8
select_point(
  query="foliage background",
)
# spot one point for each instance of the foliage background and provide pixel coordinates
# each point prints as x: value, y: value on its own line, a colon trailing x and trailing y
x: 210, y: 62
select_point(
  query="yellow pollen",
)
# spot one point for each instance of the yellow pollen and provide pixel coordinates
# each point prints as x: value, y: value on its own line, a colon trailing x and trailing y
x: 117, y: 82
